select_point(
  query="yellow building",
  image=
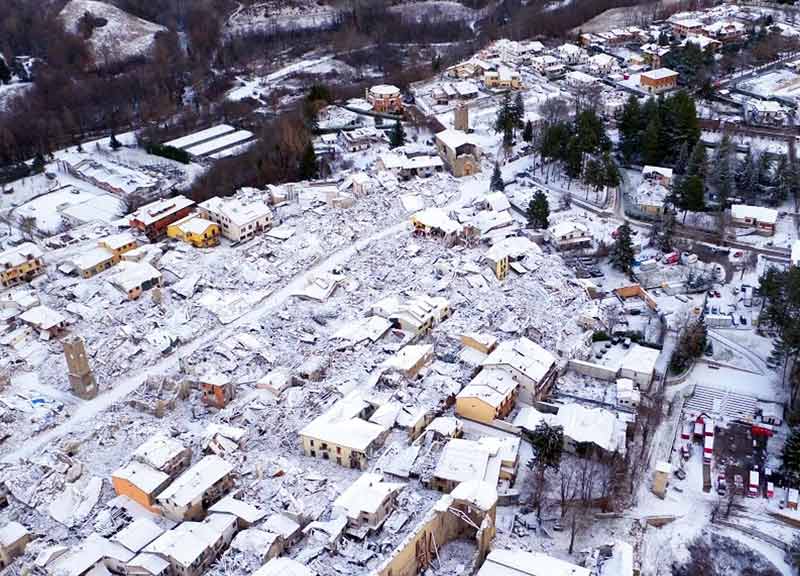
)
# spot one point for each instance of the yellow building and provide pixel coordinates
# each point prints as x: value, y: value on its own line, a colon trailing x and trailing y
x: 20, y: 264
x: 118, y: 244
x: 489, y: 396
x: 194, y: 230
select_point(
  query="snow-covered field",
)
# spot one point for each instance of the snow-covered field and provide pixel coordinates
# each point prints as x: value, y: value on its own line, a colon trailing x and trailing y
x: 123, y: 35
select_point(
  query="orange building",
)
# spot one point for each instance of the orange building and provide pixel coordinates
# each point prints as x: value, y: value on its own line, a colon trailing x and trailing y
x: 141, y: 483
x: 658, y: 80
x: 217, y: 390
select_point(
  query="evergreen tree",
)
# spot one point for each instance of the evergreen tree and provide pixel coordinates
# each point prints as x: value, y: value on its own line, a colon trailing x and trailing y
x: 539, y: 211
x: 682, y: 161
x: 436, y: 64
x: 622, y: 252
x: 38, y: 163
x: 747, y: 177
x: 594, y: 174
x: 397, y: 137
x: 666, y: 230
x: 692, y: 195
x: 114, y: 143
x: 504, y: 119
x: 611, y: 175
x: 527, y: 133
x: 652, y: 151
x: 573, y: 158
x: 691, y: 344
x: 697, y: 162
x: 724, y: 178
x: 518, y: 111
x: 308, y: 163
x: 791, y: 456
x: 684, y: 119
x: 548, y: 445
x: 5, y: 73
x: 629, y: 124
x: 764, y: 180
x: 496, y: 184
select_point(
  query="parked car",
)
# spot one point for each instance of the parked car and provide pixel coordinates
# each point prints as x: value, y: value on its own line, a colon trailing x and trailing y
x: 722, y: 485
x: 686, y: 453
x: 626, y: 343
x: 680, y: 474
x: 709, y: 351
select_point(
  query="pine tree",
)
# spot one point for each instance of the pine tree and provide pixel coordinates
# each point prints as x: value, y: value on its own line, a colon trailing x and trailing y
x: 308, y: 163
x: 723, y: 174
x: 667, y: 230
x: 548, y: 445
x: 496, y: 184
x: 527, y: 133
x: 622, y: 253
x: 747, y: 177
x: 397, y: 137
x: 518, y: 111
x: 652, y: 151
x: 697, y: 165
x: 5, y: 73
x: 573, y: 158
x: 504, y: 117
x: 38, y: 163
x: 791, y: 456
x: 114, y: 143
x: 611, y: 175
x: 629, y: 124
x: 682, y: 162
x: 539, y: 211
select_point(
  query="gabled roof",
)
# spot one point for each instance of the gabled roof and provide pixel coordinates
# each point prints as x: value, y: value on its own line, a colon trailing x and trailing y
x: 491, y: 385
x: 523, y: 355
x: 366, y: 494
x: 193, y: 483
x: 159, y: 451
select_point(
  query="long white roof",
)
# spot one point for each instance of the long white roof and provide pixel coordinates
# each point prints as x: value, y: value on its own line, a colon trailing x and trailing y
x: 283, y: 566
x: 523, y: 355
x: 203, y: 135
x: 159, y: 451
x: 155, y: 211
x: 491, y: 385
x: 196, y: 480
x: 18, y: 255
x: 760, y: 213
x: 239, y: 213
x: 521, y: 563
x: 366, y: 494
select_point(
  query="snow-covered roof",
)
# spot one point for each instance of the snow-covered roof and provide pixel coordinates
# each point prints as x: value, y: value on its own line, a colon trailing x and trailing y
x: 366, y: 494
x: 92, y: 258
x: 110, y: 173
x: 193, y: 483
x: 592, y: 425
x: 498, y: 201
x: 409, y: 356
x: 239, y: 508
x: 152, y: 563
x: 659, y: 170
x: 159, y: 451
x: 764, y: 105
x: 42, y: 317
x: 464, y: 460
x: 758, y: 213
x: 132, y: 275
x: 602, y: 60
x: 529, y: 417
x: 659, y: 74
x: 621, y: 561
x: 20, y: 254
x: 11, y: 533
x: 491, y: 385
x: 138, y: 534
x: 282, y: 525
x: 581, y: 77
x: 239, y: 213
x: 89, y: 552
x: 570, y: 49
x: 201, y: 136
x: 523, y: 355
x: 160, y: 209
x: 568, y: 227
x: 340, y: 426
x: 640, y: 359
x: 283, y: 566
x: 219, y: 143
x: 454, y: 138
x: 436, y: 218
x: 117, y: 241
x: 187, y: 542
x: 384, y: 90
x: 481, y: 494
x: 515, y: 247
x: 650, y: 193
x: 144, y: 477
x: 194, y: 224
x: 521, y: 563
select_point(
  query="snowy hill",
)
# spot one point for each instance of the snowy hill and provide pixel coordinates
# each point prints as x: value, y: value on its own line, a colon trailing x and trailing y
x: 117, y: 35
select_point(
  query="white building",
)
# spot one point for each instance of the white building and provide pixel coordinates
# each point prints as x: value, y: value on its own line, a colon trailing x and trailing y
x: 603, y: 64
x: 569, y: 235
x: 199, y: 487
x: 521, y: 563
x: 531, y: 366
x: 237, y: 220
x: 572, y: 54
x: 368, y: 501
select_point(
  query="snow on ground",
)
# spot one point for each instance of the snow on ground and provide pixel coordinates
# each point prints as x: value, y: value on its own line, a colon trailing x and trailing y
x: 10, y: 91
x: 123, y: 36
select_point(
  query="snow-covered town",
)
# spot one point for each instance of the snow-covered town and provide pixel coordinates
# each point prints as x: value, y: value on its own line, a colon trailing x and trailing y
x: 526, y: 308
